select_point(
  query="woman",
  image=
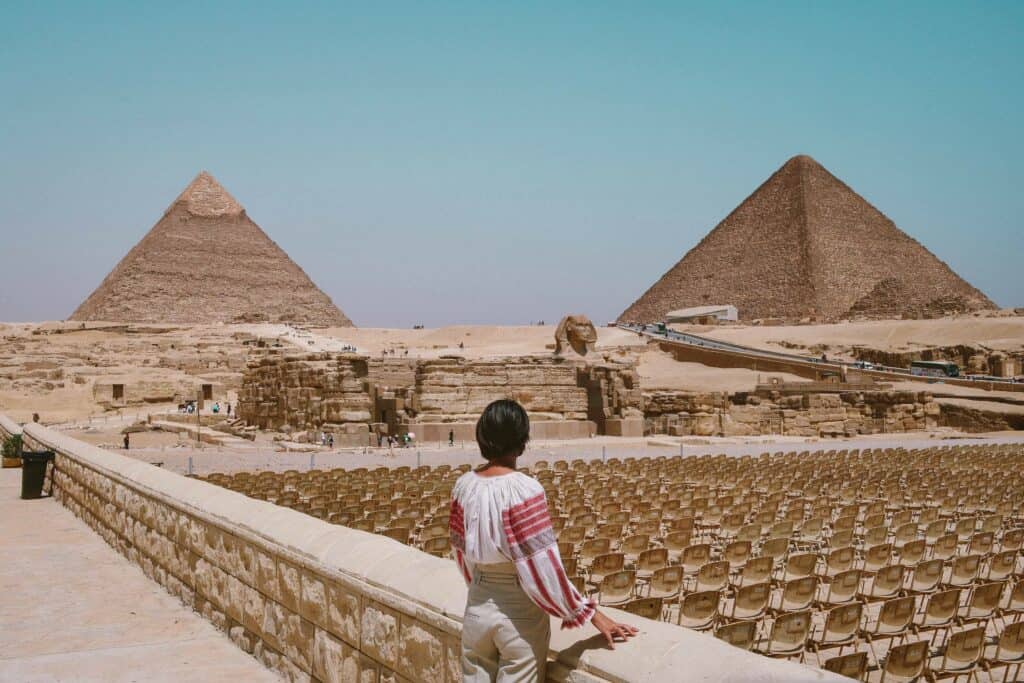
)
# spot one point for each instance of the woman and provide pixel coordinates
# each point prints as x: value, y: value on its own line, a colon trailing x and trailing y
x: 506, y: 550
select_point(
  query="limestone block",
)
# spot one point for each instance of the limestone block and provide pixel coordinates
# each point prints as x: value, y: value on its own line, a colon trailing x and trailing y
x: 379, y: 633
x: 333, y: 660
x: 344, y: 614
x: 453, y: 658
x: 289, y: 584
x: 266, y: 580
x: 314, y: 602
x: 243, y: 640
x: 420, y: 651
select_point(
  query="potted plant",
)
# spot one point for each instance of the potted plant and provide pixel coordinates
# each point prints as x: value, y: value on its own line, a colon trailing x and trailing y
x: 12, y: 451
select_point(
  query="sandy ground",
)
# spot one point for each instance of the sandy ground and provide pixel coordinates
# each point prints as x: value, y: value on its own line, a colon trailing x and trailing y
x: 1000, y: 333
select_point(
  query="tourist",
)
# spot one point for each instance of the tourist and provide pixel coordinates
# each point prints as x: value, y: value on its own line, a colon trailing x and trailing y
x: 126, y: 440
x: 451, y: 437
x: 229, y: 410
x: 516, y: 578
x: 330, y: 440
x: 216, y: 408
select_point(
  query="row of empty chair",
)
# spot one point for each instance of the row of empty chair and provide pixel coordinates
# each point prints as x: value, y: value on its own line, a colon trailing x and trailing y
x: 865, y: 562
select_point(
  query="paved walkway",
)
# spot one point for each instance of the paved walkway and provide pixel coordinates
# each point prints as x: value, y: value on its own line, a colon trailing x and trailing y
x: 74, y: 610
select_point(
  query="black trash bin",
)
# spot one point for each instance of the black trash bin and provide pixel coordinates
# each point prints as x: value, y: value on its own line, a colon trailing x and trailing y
x: 33, y: 472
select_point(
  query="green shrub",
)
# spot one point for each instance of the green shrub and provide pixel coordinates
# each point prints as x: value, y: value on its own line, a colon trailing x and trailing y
x: 12, y: 446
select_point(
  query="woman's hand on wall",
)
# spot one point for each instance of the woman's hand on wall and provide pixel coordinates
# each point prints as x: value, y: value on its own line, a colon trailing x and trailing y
x: 612, y: 630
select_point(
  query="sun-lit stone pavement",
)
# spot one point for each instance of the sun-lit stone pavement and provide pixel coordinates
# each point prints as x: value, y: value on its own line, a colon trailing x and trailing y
x: 72, y: 609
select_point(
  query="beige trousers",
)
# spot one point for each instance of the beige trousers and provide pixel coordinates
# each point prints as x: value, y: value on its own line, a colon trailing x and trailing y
x: 505, y: 636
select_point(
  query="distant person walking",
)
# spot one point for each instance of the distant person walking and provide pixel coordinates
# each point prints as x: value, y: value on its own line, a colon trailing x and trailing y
x: 451, y: 437
x: 126, y: 441
x: 506, y: 550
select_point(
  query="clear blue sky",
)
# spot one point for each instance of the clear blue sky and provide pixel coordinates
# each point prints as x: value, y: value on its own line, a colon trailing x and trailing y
x: 437, y: 162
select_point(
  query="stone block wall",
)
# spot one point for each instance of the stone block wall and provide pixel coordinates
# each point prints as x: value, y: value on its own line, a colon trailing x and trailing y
x: 680, y: 413
x: 307, y: 391
x: 326, y: 390
x: 322, y: 603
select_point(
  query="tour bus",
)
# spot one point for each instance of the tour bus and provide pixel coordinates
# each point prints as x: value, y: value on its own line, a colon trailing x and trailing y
x: 934, y: 368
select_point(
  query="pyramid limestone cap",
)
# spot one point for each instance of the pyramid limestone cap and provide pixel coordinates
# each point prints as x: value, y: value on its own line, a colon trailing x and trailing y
x: 204, y: 196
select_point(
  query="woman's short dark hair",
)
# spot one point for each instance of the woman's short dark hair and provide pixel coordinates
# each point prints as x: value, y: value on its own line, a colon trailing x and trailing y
x: 503, y: 429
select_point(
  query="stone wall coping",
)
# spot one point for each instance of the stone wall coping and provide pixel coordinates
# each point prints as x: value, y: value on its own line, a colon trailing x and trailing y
x: 9, y: 426
x: 427, y: 588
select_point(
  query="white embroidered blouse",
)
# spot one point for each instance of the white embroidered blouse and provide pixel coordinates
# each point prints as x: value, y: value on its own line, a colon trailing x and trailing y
x: 505, y: 519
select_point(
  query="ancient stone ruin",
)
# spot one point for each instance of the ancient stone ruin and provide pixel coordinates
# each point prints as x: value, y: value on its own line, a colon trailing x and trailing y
x: 805, y: 244
x: 360, y: 397
x: 206, y: 261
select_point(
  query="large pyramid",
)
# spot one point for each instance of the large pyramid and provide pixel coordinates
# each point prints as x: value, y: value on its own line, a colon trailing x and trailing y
x: 206, y: 261
x: 806, y: 244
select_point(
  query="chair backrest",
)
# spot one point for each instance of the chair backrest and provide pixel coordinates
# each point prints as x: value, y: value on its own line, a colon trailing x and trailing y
x: 896, y: 614
x: 713, y: 576
x: 906, y: 661
x: 986, y: 597
x: 1010, y: 646
x: 843, y: 621
x: 741, y: 634
x: 912, y: 551
x: 966, y: 568
x: 749, y: 532
x: 572, y: 534
x: 927, y: 574
x: 775, y: 548
x: 877, y: 556
x: 1002, y: 565
x: 889, y: 577
x: 753, y: 597
x: 737, y: 552
x: 652, y: 559
x: 608, y: 563
x: 594, y: 547
x: 677, y: 540
x: 945, y: 546
x: 981, y: 543
x: 757, y: 569
x: 635, y: 544
x: 942, y: 606
x: 876, y: 535
x: 791, y: 629
x: 841, y: 538
x: 700, y: 606
x: 800, y: 592
x: 935, y: 529
x: 695, y: 556
x: 853, y: 665
x: 802, y: 564
x: 437, y: 545
x: 399, y: 533
x: 964, y: 648
x: 649, y: 608
x: 1013, y: 539
x: 618, y: 585
x: 844, y: 586
x: 841, y: 559
x: 667, y: 579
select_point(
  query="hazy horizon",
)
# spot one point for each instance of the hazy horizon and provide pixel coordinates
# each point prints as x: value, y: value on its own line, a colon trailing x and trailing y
x: 451, y: 164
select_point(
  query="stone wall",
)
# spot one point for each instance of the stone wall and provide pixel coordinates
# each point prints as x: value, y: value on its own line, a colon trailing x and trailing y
x: 681, y: 413
x: 327, y: 391
x: 323, y: 603
x: 305, y: 391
